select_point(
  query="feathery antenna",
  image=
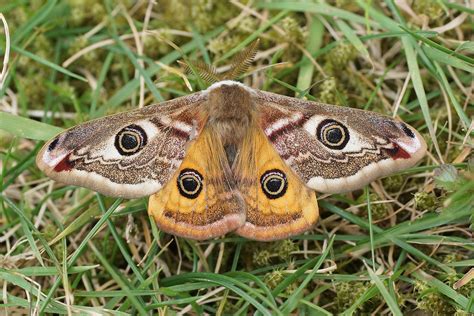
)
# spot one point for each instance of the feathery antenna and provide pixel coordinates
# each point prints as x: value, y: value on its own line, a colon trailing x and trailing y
x: 204, y: 71
x: 242, y: 61
x: 239, y: 64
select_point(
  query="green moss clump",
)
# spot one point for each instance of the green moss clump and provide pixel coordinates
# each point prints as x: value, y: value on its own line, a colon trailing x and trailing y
x: 430, y: 8
x: 327, y: 91
x: 290, y: 289
x: 293, y: 30
x: 347, y: 293
x: 333, y: 89
x: 86, y: 12
x: 49, y: 232
x: 221, y: 45
x: 450, y: 258
x: 92, y: 60
x: 425, y: 201
x: 261, y: 258
x: 339, y: 57
x: 205, y: 15
x: 379, y: 210
x: 155, y: 46
x: 431, y: 301
x: 247, y: 25
x: 393, y: 183
x: 272, y: 279
x: 284, y: 248
x: 5, y: 140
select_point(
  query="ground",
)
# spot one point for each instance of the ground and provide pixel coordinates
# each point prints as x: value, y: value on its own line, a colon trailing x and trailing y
x: 401, y: 245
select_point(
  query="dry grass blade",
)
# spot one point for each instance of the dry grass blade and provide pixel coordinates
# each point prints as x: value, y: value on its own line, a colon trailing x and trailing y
x: 6, y: 55
x: 241, y: 62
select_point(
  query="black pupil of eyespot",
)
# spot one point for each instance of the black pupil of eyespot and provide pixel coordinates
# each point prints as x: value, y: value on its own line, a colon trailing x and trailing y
x: 334, y: 135
x: 53, y: 144
x: 129, y: 141
x: 189, y: 184
x: 408, y: 131
x: 274, y: 185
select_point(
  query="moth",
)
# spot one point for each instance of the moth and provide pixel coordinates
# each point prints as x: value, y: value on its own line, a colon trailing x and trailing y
x: 232, y: 158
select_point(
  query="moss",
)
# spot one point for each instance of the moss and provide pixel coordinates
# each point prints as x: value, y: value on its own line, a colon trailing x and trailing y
x: 431, y: 301
x: 272, y: 279
x: 5, y: 140
x: 425, y: 201
x: 347, y: 293
x: 154, y: 46
x: 247, y: 25
x: 221, y: 45
x: 327, y: 91
x: 290, y: 289
x: 430, y: 8
x: 262, y: 254
x: 261, y: 257
x: 204, y: 15
x: 49, y: 232
x: 284, y: 248
x: 16, y: 18
x: 293, y: 31
x: 32, y: 91
x: 92, y: 60
x: 378, y: 210
x: 86, y: 12
x: 460, y: 312
x: 339, y: 57
x: 393, y: 183
x: 450, y: 258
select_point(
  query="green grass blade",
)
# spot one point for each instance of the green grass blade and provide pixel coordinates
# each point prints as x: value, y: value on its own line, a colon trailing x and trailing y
x: 313, y: 44
x: 47, y: 63
x: 292, y: 302
x: 27, y: 128
x: 389, y: 299
x: 254, y: 35
x: 444, y: 289
x: 352, y: 38
x: 39, y: 17
x: 319, y: 8
x: 447, y: 87
x: 124, y: 284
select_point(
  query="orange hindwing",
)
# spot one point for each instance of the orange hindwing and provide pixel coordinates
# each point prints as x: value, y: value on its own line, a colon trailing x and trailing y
x: 199, y: 201
x: 279, y: 205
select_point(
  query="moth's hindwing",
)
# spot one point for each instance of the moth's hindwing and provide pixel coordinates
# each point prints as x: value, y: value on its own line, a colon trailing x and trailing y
x: 199, y: 201
x: 279, y: 205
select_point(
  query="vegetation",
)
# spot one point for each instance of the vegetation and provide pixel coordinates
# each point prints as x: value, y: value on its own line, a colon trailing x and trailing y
x: 400, y: 245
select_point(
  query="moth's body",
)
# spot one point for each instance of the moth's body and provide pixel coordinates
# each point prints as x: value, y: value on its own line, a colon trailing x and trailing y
x: 232, y: 158
x: 230, y: 111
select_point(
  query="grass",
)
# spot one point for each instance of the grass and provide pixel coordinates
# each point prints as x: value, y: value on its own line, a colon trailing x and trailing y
x: 403, y: 244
